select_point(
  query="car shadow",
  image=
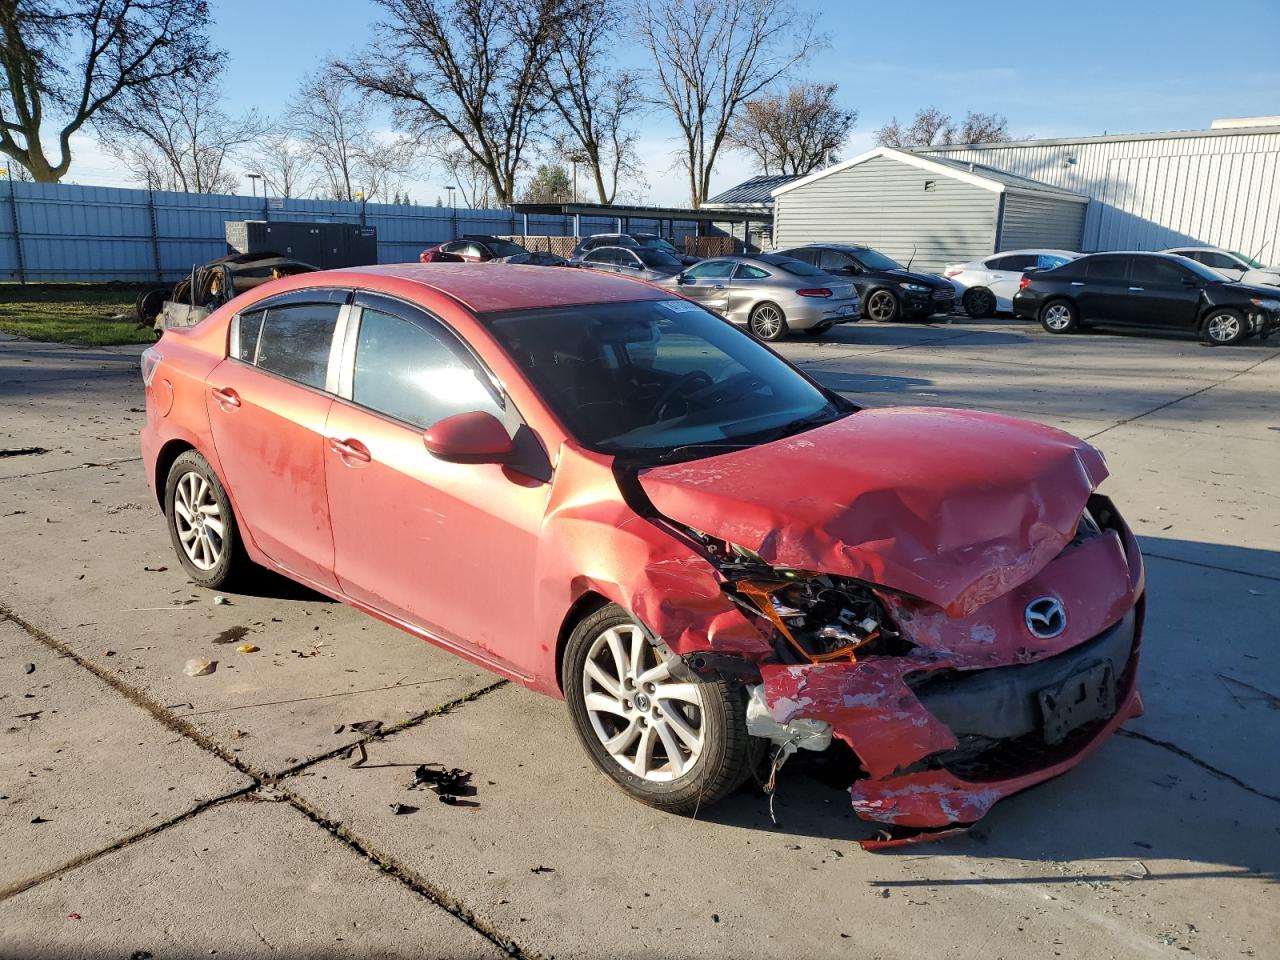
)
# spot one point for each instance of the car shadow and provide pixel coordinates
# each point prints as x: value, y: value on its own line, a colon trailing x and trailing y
x: 261, y: 582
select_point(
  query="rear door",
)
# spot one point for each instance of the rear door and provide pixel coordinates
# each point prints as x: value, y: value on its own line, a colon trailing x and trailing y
x: 1102, y: 292
x: 708, y: 283
x: 268, y: 403
x: 1004, y: 273
x: 1162, y: 294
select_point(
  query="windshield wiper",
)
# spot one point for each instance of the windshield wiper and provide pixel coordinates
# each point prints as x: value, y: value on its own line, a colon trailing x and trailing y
x: 805, y: 423
x: 707, y: 445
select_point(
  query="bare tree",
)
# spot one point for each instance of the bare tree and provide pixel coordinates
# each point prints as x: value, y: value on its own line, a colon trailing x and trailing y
x: 63, y: 62
x: 17, y: 172
x: 351, y: 160
x: 470, y: 70
x: 286, y: 163
x: 175, y: 135
x: 932, y: 127
x: 594, y: 101
x: 710, y: 57
x: 794, y: 132
x: 465, y: 172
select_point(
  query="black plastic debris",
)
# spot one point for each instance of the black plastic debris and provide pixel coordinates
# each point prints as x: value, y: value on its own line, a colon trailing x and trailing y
x: 449, y: 784
x: 367, y: 727
x: 541, y: 869
x: 401, y: 809
x: 39, y: 820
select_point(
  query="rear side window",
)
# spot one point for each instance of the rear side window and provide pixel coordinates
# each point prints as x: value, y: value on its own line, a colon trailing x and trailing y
x: 294, y: 341
x: 748, y: 272
x: 1105, y: 268
x: 1016, y: 261
x: 1048, y: 261
x: 415, y: 371
x: 250, y: 327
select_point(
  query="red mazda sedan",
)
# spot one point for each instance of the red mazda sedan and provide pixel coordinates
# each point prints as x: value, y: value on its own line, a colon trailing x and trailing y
x: 611, y: 495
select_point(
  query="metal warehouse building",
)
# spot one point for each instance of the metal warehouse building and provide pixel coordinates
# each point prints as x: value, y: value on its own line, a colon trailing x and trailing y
x: 926, y: 211
x: 1216, y: 187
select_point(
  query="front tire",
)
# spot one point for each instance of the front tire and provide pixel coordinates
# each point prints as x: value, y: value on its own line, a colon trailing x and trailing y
x: 768, y: 322
x: 1060, y: 316
x: 670, y: 743
x: 979, y: 303
x: 1223, y: 328
x: 202, y: 525
x: 882, y: 306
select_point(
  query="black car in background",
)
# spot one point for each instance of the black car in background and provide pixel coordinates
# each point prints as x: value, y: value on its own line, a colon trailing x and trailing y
x: 887, y: 289
x: 644, y: 241
x: 1157, y: 291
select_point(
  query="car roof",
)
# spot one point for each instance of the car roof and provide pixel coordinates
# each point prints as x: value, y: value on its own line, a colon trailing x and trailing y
x: 1030, y: 250
x: 490, y: 287
x: 847, y: 247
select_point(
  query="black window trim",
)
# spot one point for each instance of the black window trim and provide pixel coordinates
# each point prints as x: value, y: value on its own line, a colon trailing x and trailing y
x: 415, y: 314
x: 320, y: 296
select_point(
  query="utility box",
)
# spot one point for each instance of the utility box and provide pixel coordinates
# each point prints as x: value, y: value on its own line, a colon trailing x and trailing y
x: 323, y: 245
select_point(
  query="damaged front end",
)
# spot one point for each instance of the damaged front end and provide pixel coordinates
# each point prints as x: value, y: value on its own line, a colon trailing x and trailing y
x: 946, y: 715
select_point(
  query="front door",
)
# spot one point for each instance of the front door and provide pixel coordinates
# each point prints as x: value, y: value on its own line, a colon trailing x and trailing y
x: 267, y: 408
x: 1162, y: 294
x: 708, y: 283
x: 447, y: 547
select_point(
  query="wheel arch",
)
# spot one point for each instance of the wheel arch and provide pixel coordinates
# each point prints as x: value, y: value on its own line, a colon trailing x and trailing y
x: 170, y: 452
x: 587, y: 603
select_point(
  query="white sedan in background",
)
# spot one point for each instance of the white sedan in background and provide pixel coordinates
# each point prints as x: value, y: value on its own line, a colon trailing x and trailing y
x: 1230, y: 264
x: 987, y: 286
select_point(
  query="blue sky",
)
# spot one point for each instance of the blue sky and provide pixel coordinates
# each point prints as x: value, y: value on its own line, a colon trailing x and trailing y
x: 1056, y: 69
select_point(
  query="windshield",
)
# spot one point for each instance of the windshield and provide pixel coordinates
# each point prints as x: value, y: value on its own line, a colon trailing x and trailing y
x: 658, y: 259
x: 875, y: 260
x: 657, y: 243
x: 1249, y: 260
x: 646, y: 377
x: 504, y: 248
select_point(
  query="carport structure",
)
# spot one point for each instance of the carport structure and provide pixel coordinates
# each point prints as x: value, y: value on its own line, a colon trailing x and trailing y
x: 926, y: 211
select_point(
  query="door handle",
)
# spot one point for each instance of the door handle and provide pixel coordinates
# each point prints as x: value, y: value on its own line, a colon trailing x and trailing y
x: 1077, y: 283
x: 350, y: 450
x: 226, y: 397
x: 1137, y: 289
x: 719, y: 286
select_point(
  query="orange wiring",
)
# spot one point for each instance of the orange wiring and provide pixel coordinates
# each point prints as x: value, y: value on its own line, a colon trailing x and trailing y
x: 761, y: 594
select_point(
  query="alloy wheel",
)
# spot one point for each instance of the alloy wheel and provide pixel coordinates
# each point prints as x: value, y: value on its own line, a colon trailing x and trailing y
x: 1058, y: 317
x: 981, y: 303
x: 767, y: 322
x: 648, y: 721
x: 881, y: 306
x: 198, y: 520
x: 1224, y: 328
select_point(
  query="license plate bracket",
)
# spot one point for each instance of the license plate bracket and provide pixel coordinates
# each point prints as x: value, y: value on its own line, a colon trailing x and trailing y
x: 1087, y: 695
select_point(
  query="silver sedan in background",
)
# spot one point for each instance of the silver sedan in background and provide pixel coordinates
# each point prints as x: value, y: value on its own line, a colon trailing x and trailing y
x: 769, y: 294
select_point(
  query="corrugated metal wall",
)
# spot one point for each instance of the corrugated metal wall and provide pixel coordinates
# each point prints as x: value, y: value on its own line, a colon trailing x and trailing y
x: 1030, y: 220
x: 76, y: 233
x: 1219, y: 190
x: 885, y: 203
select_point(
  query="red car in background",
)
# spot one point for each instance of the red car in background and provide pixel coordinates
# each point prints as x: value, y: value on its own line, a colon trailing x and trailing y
x: 605, y: 492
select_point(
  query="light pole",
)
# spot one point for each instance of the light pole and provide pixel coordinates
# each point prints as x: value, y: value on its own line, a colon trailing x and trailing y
x: 575, y: 159
x: 253, y: 184
x: 453, y: 211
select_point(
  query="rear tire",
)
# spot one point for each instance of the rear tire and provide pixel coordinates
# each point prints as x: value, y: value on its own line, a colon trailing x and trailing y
x: 768, y: 322
x: 202, y: 525
x: 1224, y: 327
x: 623, y: 703
x: 882, y: 306
x: 1060, y: 316
x: 979, y: 303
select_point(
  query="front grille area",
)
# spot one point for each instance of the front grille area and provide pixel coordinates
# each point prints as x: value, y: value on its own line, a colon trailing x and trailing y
x: 1015, y: 758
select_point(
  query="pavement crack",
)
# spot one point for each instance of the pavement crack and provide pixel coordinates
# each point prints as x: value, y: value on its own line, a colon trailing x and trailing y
x: 78, y: 466
x: 1187, y: 755
x: 409, y: 878
x: 23, y: 885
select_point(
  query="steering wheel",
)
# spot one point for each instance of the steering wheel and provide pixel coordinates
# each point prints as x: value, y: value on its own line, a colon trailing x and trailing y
x: 700, y: 378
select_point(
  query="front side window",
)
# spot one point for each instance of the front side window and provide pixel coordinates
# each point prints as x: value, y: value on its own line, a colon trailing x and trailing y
x: 712, y: 270
x: 642, y: 378
x: 658, y: 259
x: 415, y: 371
x: 1155, y: 271
x: 505, y: 248
x: 294, y: 341
x: 1220, y: 261
x: 834, y: 261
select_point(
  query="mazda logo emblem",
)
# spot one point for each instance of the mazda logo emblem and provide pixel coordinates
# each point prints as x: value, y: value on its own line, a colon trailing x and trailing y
x: 1046, y: 617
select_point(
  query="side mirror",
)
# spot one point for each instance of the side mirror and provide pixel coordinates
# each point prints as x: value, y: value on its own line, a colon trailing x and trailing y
x: 473, y: 437
x: 682, y: 278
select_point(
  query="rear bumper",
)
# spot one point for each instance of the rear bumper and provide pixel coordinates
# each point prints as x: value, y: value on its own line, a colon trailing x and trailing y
x: 821, y: 312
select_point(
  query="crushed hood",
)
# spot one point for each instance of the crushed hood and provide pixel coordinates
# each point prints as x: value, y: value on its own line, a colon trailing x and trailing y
x: 954, y: 507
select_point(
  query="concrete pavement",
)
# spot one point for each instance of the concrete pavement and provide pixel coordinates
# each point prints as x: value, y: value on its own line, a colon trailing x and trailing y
x: 187, y: 815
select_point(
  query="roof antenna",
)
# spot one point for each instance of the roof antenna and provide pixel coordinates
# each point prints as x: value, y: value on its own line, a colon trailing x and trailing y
x: 913, y: 257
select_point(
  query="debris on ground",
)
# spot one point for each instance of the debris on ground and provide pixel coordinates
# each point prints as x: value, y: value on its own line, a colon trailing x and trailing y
x: 232, y: 635
x: 367, y: 727
x: 221, y: 601
x: 450, y: 784
x: 33, y: 715
x: 339, y: 728
x: 200, y: 667
x: 40, y: 820
x: 1137, y: 871
x: 153, y: 569
x: 541, y: 869
x: 28, y: 668
x: 883, y: 892
x: 401, y: 809
x: 247, y: 648
x: 22, y: 451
